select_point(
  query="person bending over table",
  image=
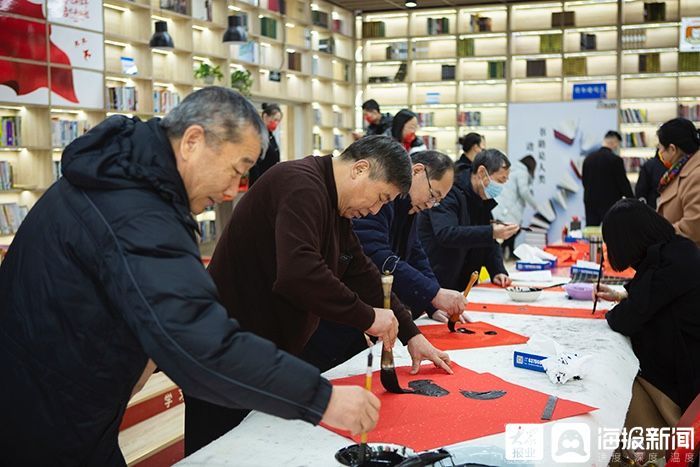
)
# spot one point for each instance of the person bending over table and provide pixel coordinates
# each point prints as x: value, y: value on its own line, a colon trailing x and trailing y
x: 390, y: 240
x: 458, y: 235
x: 288, y: 257
x: 658, y: 310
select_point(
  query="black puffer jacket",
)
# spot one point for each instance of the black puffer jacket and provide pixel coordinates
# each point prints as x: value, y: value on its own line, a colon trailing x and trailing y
x: 104, y: 273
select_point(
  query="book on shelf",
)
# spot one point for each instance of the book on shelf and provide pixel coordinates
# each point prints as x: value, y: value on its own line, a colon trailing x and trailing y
x: 400, y: 73
x: 633, y: 39
x: 550, y: 43
x: 11, y: 216
x: 372, y: 29
x: 478, y: 23
x: 574, y: 66
x: 319, y: 18
x: 178, y: 6
x: 10, y: 131
x: 249, y: 52
x: 202, y: 9
x: 276, y: 6
x: 465, y: 47
x: 430, y: 142
x: 164, y: 101
x: 338, y: 119
x: 588, y: 41
x: 654, y: 11
x: 129, y: 66
x: 317, y: 142
x: 317, y: 116
x: 123, y: 98
x: 633, y: 115
x: 64, y: 131
x: 447, y: 72
x: 561, y: 19
x: 536, y: 68
x: 294, y: 61
x: 688, y: 61
x: 397, y: 51
x: 5, y: 175
x: 636, y: 139
x: 691, y: 112
x: 649, y: 63
x: 326, y: 45
x: 438, y: 26
x: 338, y: 25
x: 496, y: 70
x: 426, y: 118
x: 268, y: 27
x: 469, y: 118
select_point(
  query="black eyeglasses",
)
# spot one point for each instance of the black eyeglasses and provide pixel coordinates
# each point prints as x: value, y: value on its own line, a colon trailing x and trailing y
x: 435, y: 200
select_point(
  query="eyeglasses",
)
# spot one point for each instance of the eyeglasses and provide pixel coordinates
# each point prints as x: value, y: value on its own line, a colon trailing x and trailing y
x: 434, y: 199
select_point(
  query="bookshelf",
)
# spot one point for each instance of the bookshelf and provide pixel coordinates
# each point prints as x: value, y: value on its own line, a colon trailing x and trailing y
x: 133, y: 79
x: 530, y: 52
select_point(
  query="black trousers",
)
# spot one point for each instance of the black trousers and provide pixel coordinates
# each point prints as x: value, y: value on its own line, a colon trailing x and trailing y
x: 205, y: 422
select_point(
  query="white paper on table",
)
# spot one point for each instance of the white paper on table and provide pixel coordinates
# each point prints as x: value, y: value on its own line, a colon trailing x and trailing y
x: 587, y: 264
x: 531, y: 253
x: 532, y: 276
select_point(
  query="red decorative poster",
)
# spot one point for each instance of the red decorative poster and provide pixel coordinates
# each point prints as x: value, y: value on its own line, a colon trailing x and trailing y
x: 23, y: 7
x: 423, y: 422
x: 470, y: 336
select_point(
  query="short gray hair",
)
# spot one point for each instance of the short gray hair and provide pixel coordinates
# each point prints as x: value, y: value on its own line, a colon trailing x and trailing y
x: 222, y: 112
x: 435, y: 162
x: 493, y: 159
x: 391, y: 163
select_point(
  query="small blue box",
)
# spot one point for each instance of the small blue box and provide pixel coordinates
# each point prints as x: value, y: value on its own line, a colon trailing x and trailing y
x: 527, y: 266
x: 528, y: 361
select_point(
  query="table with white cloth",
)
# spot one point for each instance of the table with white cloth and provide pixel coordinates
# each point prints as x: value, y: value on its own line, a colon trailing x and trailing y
x: 262, y: 440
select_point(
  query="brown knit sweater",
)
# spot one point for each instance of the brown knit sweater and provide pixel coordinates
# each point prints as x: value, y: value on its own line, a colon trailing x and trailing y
x: 287, y: 259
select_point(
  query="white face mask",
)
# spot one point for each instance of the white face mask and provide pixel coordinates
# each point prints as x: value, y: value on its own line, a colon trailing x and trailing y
x: 493, y: 189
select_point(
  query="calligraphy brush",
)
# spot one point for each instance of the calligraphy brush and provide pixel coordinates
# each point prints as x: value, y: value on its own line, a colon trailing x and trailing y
x: 368, y: 386
x: 600, y: 274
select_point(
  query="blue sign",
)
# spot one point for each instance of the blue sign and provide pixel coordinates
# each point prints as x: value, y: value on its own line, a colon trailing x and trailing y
x: 590, y: 91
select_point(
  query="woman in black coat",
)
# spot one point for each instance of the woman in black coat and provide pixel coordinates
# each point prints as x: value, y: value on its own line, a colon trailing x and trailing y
x: 659, y: 310
x: 272, y: 116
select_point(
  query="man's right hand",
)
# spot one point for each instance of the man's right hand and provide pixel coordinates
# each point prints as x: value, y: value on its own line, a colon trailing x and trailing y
x: 504, y: 231
x: 449, y: 301
x: 352, y: 408
x: 385, y: 326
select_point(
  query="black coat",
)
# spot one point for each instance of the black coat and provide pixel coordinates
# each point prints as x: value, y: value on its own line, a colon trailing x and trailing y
x: 103, y: 274
x: 458, y: 237
x: 383, y: 127
x: 662, y: 318
x: 647, y: 186
x: 270, y: 158
x: 604, y: 183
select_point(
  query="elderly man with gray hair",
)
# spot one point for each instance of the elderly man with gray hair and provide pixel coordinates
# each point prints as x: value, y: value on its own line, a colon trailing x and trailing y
x: 105, y: 274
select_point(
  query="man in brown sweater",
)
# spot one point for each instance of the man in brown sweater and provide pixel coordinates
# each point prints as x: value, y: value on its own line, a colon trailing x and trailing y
x: 289, y: 257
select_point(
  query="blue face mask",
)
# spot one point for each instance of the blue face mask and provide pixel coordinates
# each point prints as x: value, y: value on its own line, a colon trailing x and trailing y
x: 493, y: 189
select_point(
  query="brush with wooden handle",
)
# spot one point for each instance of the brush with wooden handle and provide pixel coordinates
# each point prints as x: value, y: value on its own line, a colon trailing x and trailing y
x: 454, y: 319
x: 387, y: 373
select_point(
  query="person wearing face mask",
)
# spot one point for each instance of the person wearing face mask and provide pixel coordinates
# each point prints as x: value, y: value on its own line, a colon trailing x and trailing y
x: 377, y: 122
x: 604, y: 179
x: 472, y: 144
x: 679, y: 188
x: 271, y: 116
x: 403, y: 130
x: 458, y: 235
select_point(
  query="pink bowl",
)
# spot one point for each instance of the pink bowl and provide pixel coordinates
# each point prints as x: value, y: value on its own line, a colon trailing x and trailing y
x: 579, y: 291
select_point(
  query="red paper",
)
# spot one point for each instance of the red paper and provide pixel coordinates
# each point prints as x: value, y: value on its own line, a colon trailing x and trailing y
x: 536, y: 310
x: 422, y: 422
x: 443, y: 339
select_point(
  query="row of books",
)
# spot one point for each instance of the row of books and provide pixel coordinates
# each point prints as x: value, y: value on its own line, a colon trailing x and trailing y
x: 164, y: 101
x: 634, y: 38
x: 688, y: 61
x: 11, y: 216
x: 65, y: 131
x: 465, y: 48
x: 438, y: 25
x: 471, y: 118
x: 430, y: 142
x: 574, y: 66
x: 635, y: 139
x: 268, y: 27
x: 397, y: 51
x: 10, y: 131
x: 5, y: 175
x: 372, y: 29
x: 649, y: 63
x: 122, y: 98
x: 178, y: 6
x: 551, y: 43
x: 691, y: 112
x: 317, y: 116
x: 479, y: 23
x: 326, y: 45
x: 338, y: 119
x: 294, y: 61
x: 426, y: 118
x: 633, y: 115
x: 319, y: 18
x: 338, y: 142
x: 496, y: 70
x: 654, y: 11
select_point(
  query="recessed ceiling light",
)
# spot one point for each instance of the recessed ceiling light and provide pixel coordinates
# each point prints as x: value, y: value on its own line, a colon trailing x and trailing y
x: 410, y: 4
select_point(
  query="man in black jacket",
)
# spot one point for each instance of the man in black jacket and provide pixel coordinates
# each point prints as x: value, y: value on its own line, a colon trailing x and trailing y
x: 604, y: 179
x: 458, y: 235
x: 377, y: 122
x: 105, y: 274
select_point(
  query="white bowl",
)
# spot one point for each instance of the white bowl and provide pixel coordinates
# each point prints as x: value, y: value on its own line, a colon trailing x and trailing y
x: 523, y: 294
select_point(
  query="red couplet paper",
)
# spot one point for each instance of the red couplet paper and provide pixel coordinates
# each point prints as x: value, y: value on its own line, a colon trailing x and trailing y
x: 443, y: 339
x: 536, y: 310
x: 422, y: 422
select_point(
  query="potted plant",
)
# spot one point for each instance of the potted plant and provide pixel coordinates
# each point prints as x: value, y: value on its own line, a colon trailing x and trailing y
x: 242, y: 81
x: 208, y: 73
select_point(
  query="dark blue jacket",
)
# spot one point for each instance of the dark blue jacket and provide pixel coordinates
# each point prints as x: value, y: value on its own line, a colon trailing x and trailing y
x: 457, y: 235
x: 103, y: 274
x: 392, y: 231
